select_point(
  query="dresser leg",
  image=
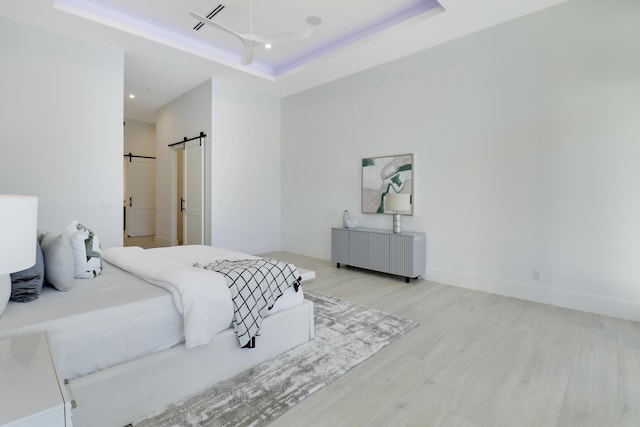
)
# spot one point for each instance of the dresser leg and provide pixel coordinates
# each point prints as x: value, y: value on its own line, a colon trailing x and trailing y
x: 407, y: 279
x: 338, y: 264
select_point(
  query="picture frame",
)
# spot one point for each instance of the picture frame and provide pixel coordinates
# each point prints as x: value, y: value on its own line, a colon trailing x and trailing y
x: 385, y: 174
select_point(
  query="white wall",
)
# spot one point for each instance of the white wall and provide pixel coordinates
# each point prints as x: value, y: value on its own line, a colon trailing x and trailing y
x: 139, y: 138
x: 61, y: 133
x: 526, y: 139
x: 243, y: 164
x: 185, y: 116
x: 246, y: 169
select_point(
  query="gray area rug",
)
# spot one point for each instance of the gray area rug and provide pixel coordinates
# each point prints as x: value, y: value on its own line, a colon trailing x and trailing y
x: 346, y: 334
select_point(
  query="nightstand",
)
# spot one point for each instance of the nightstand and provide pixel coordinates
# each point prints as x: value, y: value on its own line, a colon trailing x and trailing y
x: 31, y: 392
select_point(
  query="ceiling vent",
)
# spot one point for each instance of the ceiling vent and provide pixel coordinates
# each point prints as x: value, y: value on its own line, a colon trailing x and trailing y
x: 211, y: 14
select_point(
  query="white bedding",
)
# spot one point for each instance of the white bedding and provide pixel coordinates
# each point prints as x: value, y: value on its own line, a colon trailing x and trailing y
x: 201, y: 296
x: 201, y: 254
x: 100, y: 322
x: 116, y: 316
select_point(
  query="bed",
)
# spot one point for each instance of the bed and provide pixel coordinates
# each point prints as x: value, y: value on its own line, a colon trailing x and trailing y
x: 119, y: 341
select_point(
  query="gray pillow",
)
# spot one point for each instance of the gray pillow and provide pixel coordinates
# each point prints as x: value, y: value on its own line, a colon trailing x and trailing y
x: 58, y: 261
x: 27, y: 284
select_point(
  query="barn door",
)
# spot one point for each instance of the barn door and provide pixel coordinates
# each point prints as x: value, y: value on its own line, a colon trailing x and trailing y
x: 192, y: 203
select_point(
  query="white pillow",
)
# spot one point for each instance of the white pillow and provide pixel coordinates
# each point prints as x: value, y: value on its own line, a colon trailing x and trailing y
x: 59, y: 264
x: 5, y: 291
x: 87, y: 254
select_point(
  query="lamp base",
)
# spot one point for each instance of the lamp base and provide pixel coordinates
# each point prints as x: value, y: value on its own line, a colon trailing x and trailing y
x: 397, y: 223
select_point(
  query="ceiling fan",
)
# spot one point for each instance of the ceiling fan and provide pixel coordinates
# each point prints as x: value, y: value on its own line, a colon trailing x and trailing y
x: 250, y: 40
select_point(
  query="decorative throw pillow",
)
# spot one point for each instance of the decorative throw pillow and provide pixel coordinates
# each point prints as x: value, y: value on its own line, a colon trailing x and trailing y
x: 87, y: 254
x: 5, y: 291
x: 27, y: 284
x: 59, y: 265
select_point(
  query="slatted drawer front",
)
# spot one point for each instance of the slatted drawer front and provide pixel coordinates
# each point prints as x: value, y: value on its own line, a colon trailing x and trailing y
x: 359, y: 249
x: 340, y: 246
x: 379, y: 252
x: 401, y: 248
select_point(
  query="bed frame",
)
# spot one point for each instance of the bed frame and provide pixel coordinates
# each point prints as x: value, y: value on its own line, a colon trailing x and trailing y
x: 124, y: 393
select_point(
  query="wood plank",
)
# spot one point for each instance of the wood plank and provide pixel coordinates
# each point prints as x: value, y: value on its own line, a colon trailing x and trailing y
x: 593, y: 386
x: 476, y: 359
x: 629, y: 381
x: 572, y: 417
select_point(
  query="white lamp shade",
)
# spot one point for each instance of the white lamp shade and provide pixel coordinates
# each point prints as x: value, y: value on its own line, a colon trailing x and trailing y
x: 398, y: 202
x: 18, y: 230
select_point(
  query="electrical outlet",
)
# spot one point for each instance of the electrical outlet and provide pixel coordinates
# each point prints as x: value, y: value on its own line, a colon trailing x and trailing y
x: 536, y: 274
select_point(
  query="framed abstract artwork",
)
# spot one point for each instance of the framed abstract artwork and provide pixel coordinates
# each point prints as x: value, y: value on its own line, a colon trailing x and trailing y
x: 385, y: 175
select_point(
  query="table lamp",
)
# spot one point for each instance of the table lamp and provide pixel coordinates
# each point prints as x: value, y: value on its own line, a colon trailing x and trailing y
x: 397, y: 202
x: 18, y: 232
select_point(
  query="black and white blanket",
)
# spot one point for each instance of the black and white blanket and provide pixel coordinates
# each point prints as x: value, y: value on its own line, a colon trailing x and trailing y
x: 255, y: 285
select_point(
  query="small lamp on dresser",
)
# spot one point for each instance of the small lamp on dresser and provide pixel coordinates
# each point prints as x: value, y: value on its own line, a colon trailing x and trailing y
x: 397, y: 202
x: 18, y: 232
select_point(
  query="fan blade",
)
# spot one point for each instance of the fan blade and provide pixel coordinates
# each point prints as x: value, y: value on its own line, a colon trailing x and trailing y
x: 214, y: 24
x: 247, y: 54
x: 284, y: 36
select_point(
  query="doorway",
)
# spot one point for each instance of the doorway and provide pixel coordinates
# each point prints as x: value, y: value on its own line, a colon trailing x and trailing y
x: 190, y: 192
x: 139, y: 183
x: 140, y: 199
x: 180, y: 155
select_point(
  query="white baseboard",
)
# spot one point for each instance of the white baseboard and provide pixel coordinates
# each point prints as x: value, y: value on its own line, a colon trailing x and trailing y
x: 307, y: 251
x: 257, y: 249
x: 541, y: 293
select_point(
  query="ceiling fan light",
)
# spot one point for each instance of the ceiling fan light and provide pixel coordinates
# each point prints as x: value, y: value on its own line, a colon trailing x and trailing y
x: 250, y: 40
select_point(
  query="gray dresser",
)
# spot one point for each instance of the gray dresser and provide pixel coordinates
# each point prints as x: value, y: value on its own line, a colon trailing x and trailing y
x: 402, y: 254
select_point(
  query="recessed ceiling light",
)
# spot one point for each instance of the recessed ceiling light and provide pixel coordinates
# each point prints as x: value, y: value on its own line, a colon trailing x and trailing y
x: 267, y: 46
x: 131, y: 96
x: 313, y: 20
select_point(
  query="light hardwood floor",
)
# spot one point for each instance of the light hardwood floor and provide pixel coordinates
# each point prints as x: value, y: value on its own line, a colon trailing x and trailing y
x: 476, y: 359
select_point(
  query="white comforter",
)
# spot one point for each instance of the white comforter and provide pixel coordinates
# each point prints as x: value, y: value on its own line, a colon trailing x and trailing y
x: 202, y: 297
